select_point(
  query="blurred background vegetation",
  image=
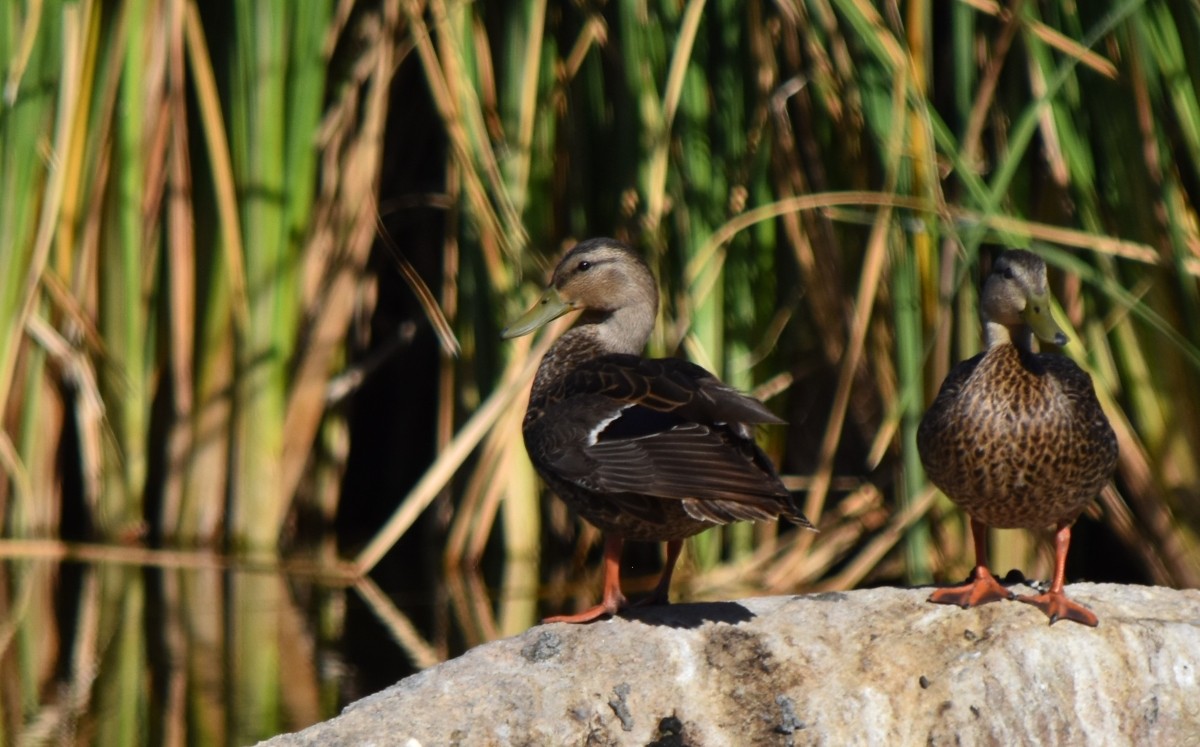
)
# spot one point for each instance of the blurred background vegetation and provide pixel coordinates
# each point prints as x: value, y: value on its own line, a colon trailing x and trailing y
x: 254, y: 258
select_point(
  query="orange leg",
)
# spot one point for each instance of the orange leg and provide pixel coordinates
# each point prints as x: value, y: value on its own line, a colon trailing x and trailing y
x: 1054, y: 602
x: 613, y: 600
x: 983, y: 586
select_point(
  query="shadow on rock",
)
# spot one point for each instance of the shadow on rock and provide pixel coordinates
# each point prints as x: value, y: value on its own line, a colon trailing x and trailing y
x: 689, y: 615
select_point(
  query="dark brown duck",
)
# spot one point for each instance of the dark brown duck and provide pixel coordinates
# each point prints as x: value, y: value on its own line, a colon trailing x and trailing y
x: 1017, y: 438
x: 644, y: 449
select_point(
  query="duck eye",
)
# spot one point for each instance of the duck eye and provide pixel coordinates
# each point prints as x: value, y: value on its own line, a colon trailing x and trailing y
x: 584, y: 265
x: 1008, y: 273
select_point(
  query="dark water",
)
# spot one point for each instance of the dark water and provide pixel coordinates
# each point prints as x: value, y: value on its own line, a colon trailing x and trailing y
x: 121, y: 654
x: 125, y: 653
x: 117, y: 653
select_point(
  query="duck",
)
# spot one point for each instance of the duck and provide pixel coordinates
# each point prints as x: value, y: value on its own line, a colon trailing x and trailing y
x: 1017, y: 438
x: 644, y: 449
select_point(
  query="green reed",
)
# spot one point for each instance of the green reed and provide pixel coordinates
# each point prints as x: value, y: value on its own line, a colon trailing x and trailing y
x: 189, y: 206
x: 190, y: 199
x: 846, y: 171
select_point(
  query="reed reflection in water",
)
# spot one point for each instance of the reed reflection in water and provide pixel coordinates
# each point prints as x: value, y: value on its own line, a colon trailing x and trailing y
x: 108, y: 654
x: 188, y: 651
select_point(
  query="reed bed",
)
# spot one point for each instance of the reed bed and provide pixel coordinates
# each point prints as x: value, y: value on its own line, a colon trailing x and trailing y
x: 189, y: 206
x: 191, y: 193
x: 820, y: 187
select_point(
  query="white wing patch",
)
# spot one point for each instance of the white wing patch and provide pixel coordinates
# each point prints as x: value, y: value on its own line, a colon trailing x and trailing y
x: 594, y: 434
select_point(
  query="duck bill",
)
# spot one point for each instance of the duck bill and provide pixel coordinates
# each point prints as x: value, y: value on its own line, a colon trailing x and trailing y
x: 548, y: 308
x: 1041, y: 322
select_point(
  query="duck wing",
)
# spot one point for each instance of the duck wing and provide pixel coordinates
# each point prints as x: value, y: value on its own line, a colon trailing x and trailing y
x: 630, y: 428
x: 939, y: 436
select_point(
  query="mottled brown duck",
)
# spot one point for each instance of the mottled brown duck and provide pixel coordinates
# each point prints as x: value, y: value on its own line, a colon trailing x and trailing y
x: 644, y: 449
x: 1017, y: 438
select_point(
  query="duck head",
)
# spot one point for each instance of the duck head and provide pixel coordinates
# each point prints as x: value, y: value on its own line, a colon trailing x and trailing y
x: 610, y: 284
x: 1016, y: 302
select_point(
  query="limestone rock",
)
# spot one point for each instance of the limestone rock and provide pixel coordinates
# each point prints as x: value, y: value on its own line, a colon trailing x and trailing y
x: 871, y: 667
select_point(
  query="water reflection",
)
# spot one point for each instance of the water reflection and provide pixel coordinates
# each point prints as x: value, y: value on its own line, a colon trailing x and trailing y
x: 107, y: 653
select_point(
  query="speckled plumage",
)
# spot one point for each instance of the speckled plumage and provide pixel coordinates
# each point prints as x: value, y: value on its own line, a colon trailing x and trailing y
x: 1018, y: 438
x: 644, y: 449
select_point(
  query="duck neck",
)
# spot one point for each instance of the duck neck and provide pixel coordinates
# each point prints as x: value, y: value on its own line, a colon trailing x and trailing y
x: 594, y: 335
x: 996, y: 334
x: 624, y: 331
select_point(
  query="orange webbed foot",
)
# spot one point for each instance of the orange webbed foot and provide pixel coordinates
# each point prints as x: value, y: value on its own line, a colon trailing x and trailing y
x: 1057, y: 607
x: 613, y: 600
x: 609, y: 606
x: 983, y: 588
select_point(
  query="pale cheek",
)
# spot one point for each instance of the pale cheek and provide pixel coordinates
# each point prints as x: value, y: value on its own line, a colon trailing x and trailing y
x: 1008, y: 313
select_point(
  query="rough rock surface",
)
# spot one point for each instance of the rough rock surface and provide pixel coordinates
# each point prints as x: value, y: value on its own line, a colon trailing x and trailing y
x: 872, y: 667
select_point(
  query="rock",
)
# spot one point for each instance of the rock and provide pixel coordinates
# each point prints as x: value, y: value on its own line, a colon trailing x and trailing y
x: 869, y: 667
